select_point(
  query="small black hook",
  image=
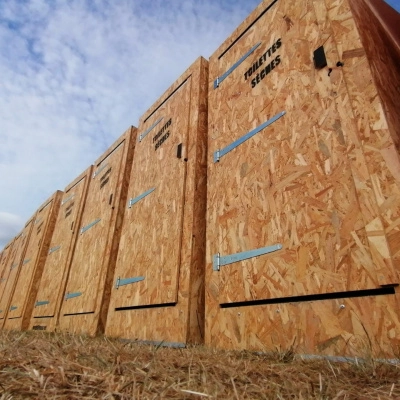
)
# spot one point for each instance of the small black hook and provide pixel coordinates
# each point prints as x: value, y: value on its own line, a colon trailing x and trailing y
x: 339, y: 64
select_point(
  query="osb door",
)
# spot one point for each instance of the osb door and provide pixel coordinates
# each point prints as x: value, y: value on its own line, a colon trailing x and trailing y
x: 3, y: 263
x: 8, y: 254
x: 92, y: 246
x: 29, y: 263
x: 149, y: 254
x: 14, y: 264
x: 55, y: 267
x: 283, y: 214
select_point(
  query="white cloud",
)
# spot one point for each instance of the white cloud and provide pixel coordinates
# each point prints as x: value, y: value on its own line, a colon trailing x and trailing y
x: 75, y: 75
x: 10, y: 225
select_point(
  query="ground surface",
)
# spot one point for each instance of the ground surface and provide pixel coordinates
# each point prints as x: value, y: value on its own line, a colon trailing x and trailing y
x: 58, y: 366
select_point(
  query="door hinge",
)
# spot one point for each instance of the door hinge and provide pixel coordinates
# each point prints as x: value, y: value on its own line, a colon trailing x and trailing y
x: 95, y: 173
x: 53, y: 249
x: 68, y: 199
x: 72, y: 295
x: 220, y: 153
x: 142, y: 135
x: 128, y: 281
x: 140, y: 197
x: 41, y: 303
x: 219, y: 261
x: 85, y: 228
x: 218, y: 81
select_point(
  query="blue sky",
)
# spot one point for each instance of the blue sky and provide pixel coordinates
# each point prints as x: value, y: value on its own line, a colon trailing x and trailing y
x: 76, y: 74
x: 394, y: 3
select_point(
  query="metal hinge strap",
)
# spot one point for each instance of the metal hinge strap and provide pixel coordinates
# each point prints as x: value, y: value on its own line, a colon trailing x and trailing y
x: 67, y: 199
x: 85, y: 228
x: 140, y: 197
x: 219, y: 261
x: 234, y: 66
x: 72, y: 295
x: 142, y: 135
x: 42, y: 303
x: 13, y: 266
x: 128, y: 281
x: 12, y: 308
x: 95, y: 173
x: 26, y: 261
x: 53, y: 249
x: 220, y: 153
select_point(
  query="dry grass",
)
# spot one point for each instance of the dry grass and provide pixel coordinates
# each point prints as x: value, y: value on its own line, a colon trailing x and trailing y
x: 59, y: 366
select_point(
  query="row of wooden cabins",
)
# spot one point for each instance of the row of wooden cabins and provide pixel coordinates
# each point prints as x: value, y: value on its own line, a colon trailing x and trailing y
x: 256, y: 206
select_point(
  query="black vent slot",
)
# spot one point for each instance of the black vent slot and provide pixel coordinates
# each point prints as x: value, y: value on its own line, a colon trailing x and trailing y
x: 145, y: 306
x: 314, y: 297
x: 179, y: 151
x: 320, y: 58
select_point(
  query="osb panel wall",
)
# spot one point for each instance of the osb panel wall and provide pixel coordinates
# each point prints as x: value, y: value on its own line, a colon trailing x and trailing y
x: 163, y: 234
x: 28, y: 281
x: 377, y: 138
x: 378, y: 25
x: 373, y: 158
x: 15, y: 263
x: 56, y: 268
x: 5, y: 254
x: 360, y: 326
x: 92, y: 266
x: 303, y: 182
x: 4, y: 270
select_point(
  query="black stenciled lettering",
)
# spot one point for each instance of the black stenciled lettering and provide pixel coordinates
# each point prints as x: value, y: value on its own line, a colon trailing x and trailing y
x: 261, y: 61
x: 264, y: 57
x: 105, y: 174
x: 268, y: 69
x: 162, y: 140
x: 39, y: 228
x: 265, y: 71
x: 104, y: 182
x: 70, y: 206
x: 162, y: 130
